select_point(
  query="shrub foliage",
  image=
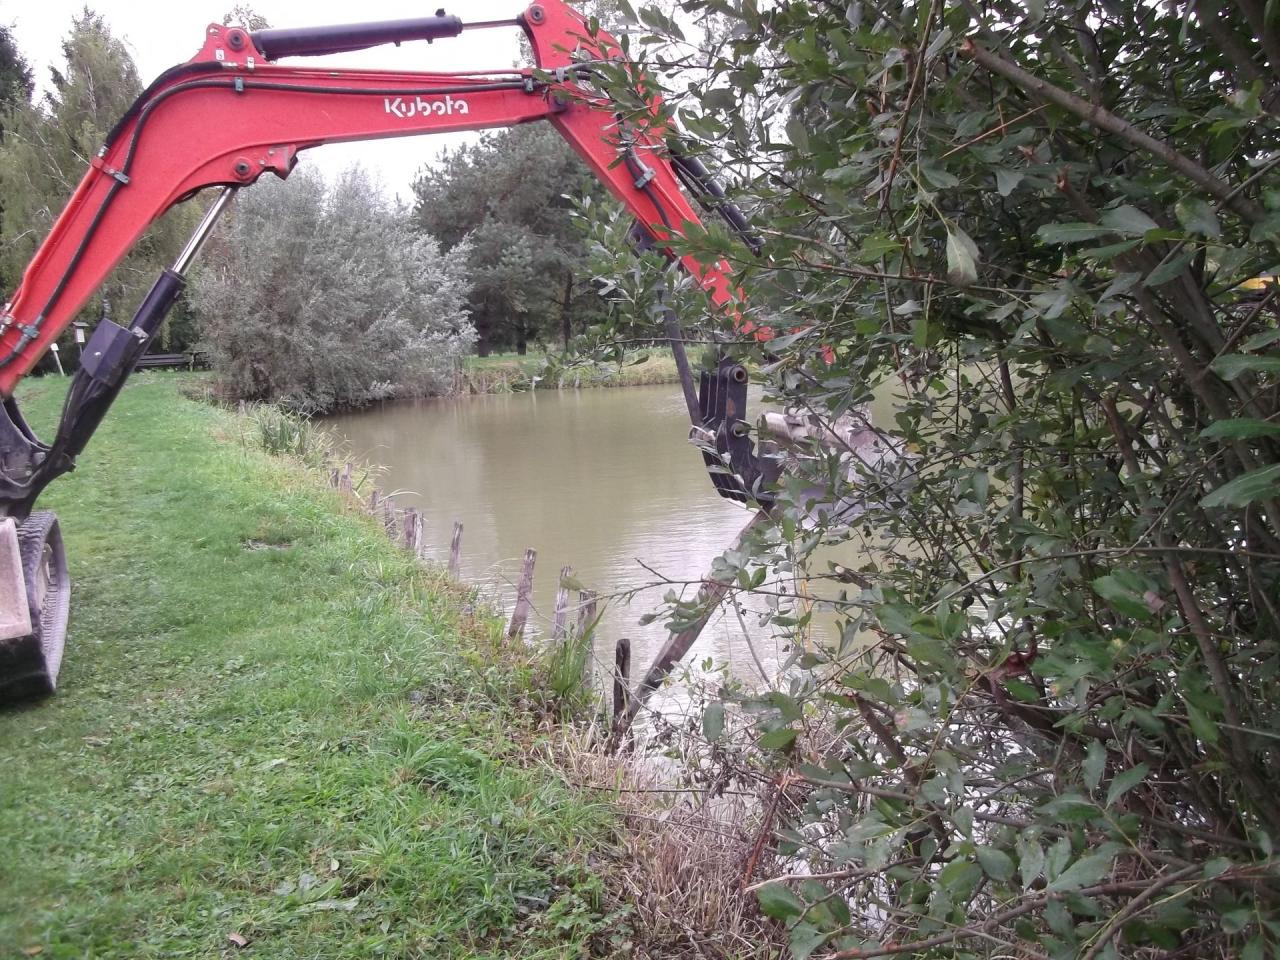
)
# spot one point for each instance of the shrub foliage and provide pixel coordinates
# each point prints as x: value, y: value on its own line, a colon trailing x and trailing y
x: 1048, y: 724
x: 319, y: 296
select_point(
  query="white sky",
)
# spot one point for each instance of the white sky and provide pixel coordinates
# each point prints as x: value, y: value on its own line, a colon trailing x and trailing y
x: 161, y: 34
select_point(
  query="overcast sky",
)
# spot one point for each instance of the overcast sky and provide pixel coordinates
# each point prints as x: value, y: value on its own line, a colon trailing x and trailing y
x: 161, y: 34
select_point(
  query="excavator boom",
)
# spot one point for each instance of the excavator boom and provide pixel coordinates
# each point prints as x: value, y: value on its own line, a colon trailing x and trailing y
x: 231, y: 114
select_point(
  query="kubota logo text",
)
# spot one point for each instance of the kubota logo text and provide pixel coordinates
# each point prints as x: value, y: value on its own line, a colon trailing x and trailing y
x: 400, y: 107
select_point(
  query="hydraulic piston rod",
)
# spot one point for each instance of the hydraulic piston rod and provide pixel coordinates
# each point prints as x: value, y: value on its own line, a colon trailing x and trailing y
x: 196, y: 243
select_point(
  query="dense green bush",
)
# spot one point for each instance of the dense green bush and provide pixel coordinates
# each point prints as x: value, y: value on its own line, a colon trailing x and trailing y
x: 1048, y: 726
x: 318, y: 296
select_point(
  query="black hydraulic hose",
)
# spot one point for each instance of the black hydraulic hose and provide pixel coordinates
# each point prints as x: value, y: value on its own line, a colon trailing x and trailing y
x: 144, y: 98
x: 711, y: 194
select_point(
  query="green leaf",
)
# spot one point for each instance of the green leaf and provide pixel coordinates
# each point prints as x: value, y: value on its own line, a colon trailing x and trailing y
x: 1257, y: 484
x: 962, y: 257
x: 1007, y: 180
x: 1070, y: 232
x: 1120, y: 598
x: 804, y: 939
x: 1128, y: 220
x: 876, y: 246
x: 778, y: 902
x: 1198, y: 216
x: 1084, y: 872
x: 942, y: 179
x: 1242, y: 428
x: 1255, y: 949
x: 1124, y: 782
x: 778, y: 739
x: 798, y: 133
x: 997, y: 864
x: 1216, y: 868
x: 1021, y: 690
x: 1233, y: 921
x: 1169, y: 269
x: 1260, y: 340
x: 1030, y: 862
x: 1232, y: 365
x: 959, y: 878
x: 1111, y: 249
x: 713, y: 721
x: 1095, y: 763
x: 1201, y: 724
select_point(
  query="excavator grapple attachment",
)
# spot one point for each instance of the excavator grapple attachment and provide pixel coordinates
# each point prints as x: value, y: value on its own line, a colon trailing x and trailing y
x: 737, y: 471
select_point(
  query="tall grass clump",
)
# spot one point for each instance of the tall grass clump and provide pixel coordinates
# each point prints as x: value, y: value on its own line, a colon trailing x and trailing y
x: 283, y: 433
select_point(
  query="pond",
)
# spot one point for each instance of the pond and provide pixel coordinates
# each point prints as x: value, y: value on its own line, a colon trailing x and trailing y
x: 602, y: 480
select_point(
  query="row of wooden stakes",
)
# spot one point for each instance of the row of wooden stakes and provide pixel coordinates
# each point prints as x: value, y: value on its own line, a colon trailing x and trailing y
x: 405, y: 527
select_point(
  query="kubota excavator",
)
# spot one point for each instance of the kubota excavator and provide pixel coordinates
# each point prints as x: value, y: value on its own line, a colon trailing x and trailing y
x: 231, y: 114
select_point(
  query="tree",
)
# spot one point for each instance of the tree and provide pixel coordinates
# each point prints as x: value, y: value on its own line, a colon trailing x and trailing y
x: 15, y: 93
x: 15, y: 74
x: 506, y: 197
x: 47, y: 148
x: 1048, y: 725
x: 322, y: 296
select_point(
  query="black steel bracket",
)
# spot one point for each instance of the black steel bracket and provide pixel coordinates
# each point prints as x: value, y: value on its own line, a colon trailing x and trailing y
x: 737, y: 471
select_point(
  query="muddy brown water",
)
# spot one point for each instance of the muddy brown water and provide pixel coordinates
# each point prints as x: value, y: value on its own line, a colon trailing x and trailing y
x: 604, y: 481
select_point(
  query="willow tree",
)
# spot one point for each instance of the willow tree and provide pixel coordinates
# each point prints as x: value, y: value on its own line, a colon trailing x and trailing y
x: 321, y: 295
x: 47, y: 147
x: 1042, y: 232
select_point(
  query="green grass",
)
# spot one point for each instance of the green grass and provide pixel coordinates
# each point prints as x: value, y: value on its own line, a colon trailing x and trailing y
x: 511, y: 373
x: 272, y: 724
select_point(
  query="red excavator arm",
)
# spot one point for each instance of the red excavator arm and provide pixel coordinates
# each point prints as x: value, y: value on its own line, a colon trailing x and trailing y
x: 230, y: 114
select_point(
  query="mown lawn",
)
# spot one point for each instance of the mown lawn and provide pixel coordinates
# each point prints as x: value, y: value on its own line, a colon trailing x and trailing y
x: 271, y: 725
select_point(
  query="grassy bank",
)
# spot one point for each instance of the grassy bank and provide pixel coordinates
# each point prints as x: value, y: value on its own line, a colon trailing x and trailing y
x: 272, y: 725
x: 511, y: 373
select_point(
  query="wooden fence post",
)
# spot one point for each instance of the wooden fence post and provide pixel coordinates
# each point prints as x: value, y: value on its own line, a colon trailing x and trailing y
x: 419, y: 534
x: 347, y: 484
x: 561, y: 614
x: 621, y: 678
x: 375, y: 501
x: 410, y: 531
x: 455, y: 549
x: 586, y: 611
x: 521, y: 612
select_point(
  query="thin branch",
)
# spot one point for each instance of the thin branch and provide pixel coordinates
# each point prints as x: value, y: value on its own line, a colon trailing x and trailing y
x: 1107, y: 121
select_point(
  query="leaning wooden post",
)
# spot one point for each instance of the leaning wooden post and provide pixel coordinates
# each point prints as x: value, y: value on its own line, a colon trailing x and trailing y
x: 455, y: 550
x: 561, y: 614
x: 710, y: 596
x: 523, y: 592
x: 586, y: 611
x: 375, y: 501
